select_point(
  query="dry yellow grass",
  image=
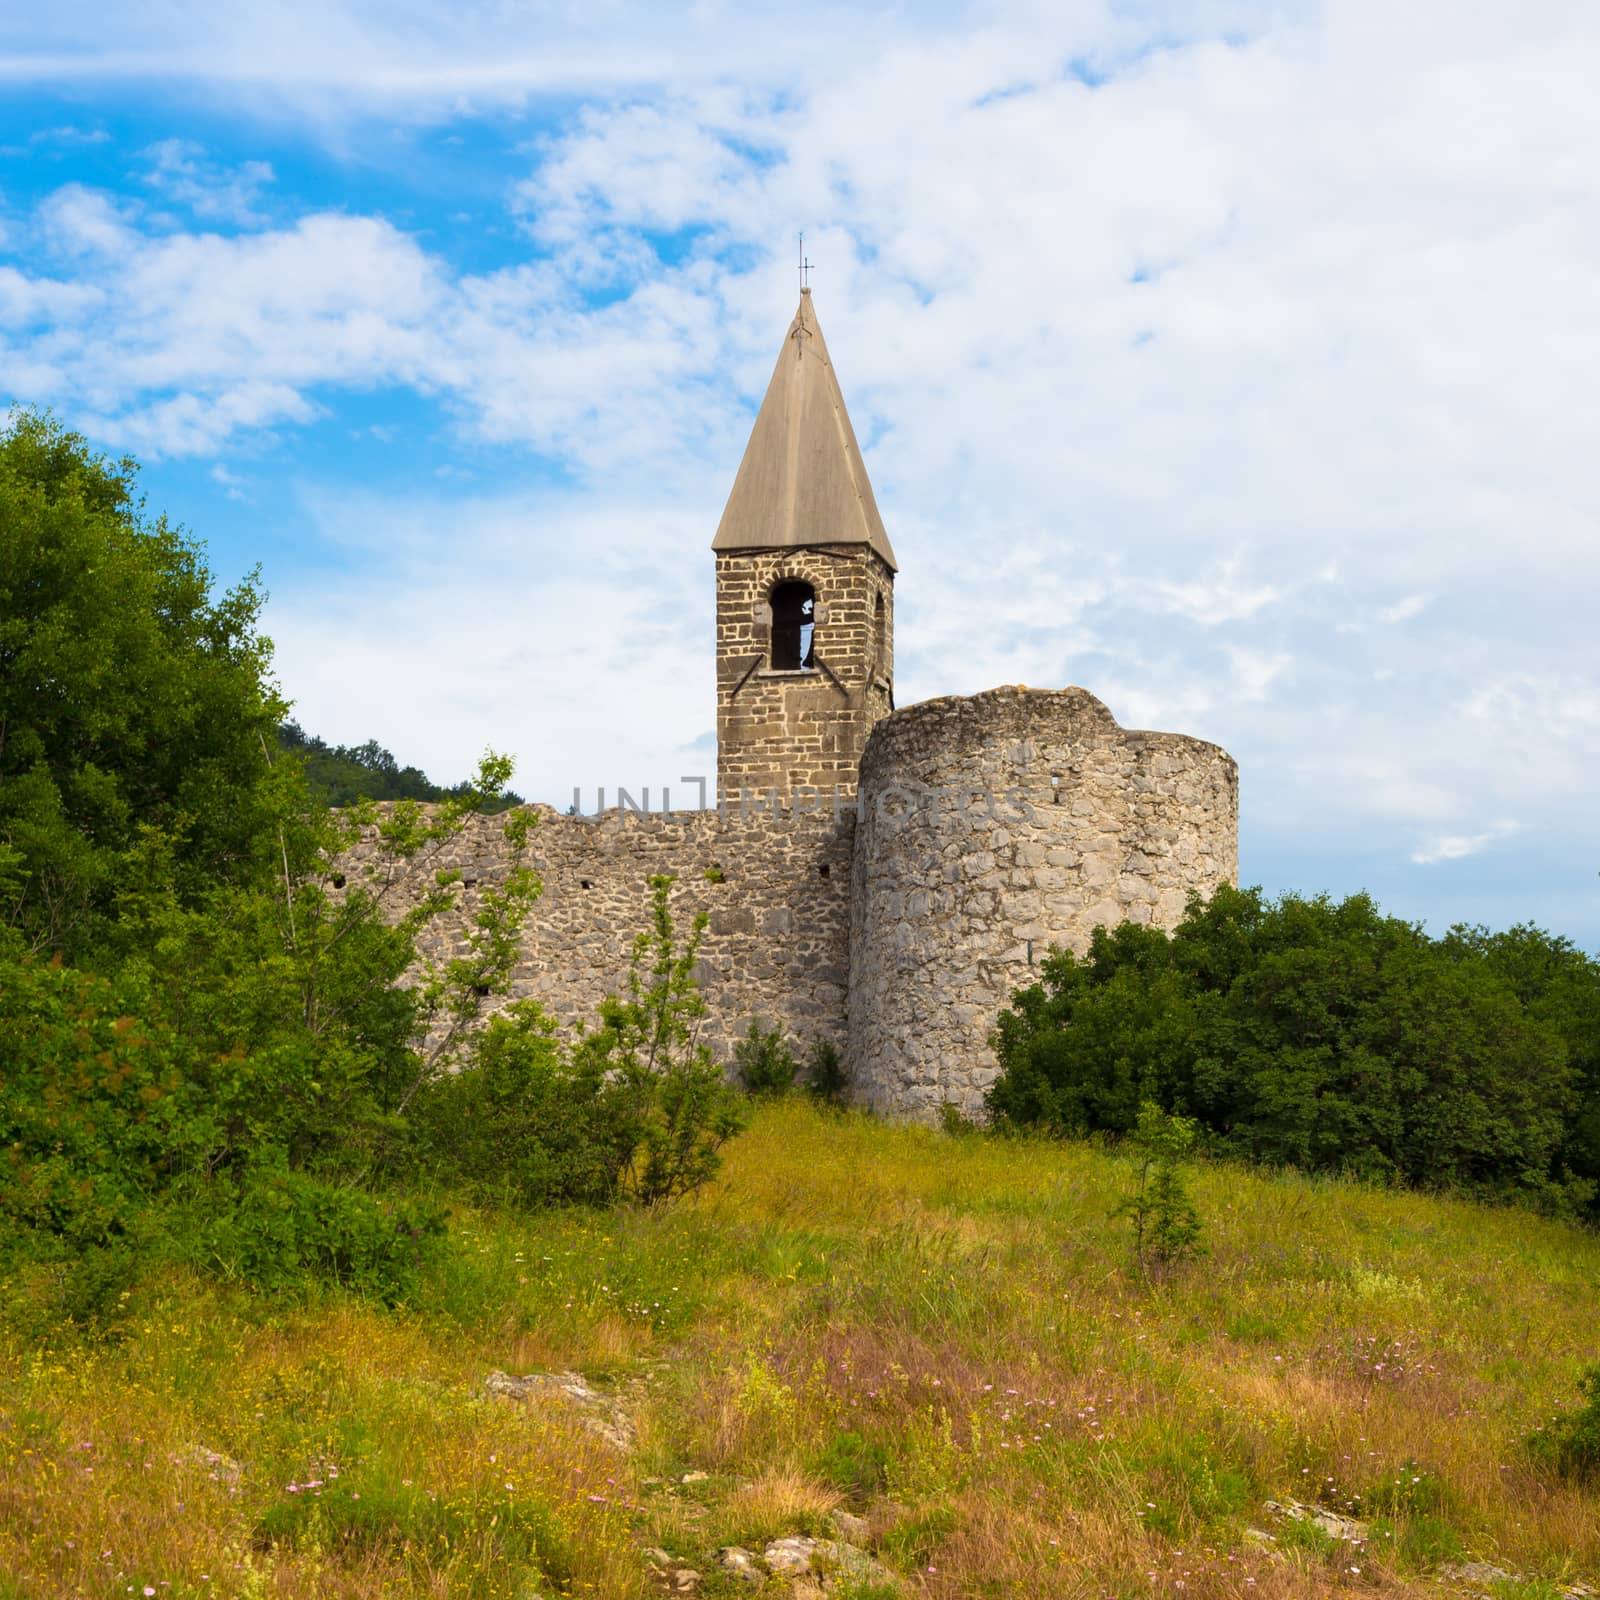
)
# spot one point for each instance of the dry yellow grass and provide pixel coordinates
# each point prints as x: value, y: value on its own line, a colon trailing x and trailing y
x: 938, y: 1334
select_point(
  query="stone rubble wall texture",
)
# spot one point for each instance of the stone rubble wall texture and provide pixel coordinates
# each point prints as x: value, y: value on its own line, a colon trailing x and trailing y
x: 1068, y: 821
x: 776, y: 947
x: 898, y: 929
x: 787, y: 729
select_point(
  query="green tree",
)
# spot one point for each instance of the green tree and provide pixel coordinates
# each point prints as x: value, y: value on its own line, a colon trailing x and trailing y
x: 765, y: 1061
x: 1558, y: 985
x: 341, y: 775
x: 1162, y: 1214
x: 248, y: 1063
x: 648, y: 1041
x: 1316, y: 1033
x: 212, y: 1001
x: 133, y: 705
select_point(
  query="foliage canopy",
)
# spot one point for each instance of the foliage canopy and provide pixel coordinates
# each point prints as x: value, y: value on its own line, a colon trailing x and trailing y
x: 133, y: 705
x: 1326, y: 1036
x: 223, y: 1037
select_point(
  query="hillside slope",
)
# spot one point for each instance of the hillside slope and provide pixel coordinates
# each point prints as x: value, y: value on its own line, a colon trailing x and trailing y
x: 936, y: 1335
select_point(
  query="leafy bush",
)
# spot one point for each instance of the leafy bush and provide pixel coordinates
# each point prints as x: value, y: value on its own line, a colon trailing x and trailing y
x: 1165, y: 1220
x: 285, y: 1227
x: 187, y: 981
x: 648, y: 1044
x: 92, y: 1113
x: 1570, y: 1443
x: 523, y: 1122
x: 955, y: 1123
x: 853, y: 1464
x: 1310, y: 1033
x: 764, y: 1061
x: 825, y: 1075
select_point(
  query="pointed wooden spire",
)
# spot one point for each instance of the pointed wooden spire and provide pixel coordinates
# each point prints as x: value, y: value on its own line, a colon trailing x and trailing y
x: 802, y: 480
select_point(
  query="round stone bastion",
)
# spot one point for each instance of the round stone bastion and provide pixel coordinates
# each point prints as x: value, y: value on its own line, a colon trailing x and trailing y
x: 989, y: 829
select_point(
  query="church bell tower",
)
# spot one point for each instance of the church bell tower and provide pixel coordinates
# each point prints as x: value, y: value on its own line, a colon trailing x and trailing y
x: 805, y: 589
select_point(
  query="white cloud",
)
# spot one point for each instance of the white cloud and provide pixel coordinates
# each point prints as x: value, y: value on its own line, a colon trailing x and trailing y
x: 1458, y: 846
x: 577, y: 654
x: 1249, y: 386
x: 180, y: 173
x: 231, y: 484
x: 1413, y: 605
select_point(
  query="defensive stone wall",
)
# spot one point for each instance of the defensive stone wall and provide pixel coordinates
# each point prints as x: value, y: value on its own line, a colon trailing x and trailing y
x: 776, y: 888
x: 988, y: 829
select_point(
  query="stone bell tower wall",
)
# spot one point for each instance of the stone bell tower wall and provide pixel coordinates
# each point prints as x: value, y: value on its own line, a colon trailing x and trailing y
x: 796, y: 729
x: 989, y: 829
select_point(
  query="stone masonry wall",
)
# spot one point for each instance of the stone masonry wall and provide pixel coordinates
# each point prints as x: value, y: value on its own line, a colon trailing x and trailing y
x: 996, y: 825
x: 777, y: 946
x: 789, y: 729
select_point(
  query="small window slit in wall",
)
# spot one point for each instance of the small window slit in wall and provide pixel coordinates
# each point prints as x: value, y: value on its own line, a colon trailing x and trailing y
x: 585, y: 883
x: 825, y: 870
x: 1055, y: 788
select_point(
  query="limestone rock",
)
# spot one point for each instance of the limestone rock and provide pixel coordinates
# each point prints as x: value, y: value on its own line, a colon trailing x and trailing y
x: 823, y: 1562
x: 739, y: 1563
x: 791, y: 1555
x: 1479, y: 1574
x: 1349, y: 1529
x: 853, y: 1529
x: 598, y: 1413
x: 854, y: 1565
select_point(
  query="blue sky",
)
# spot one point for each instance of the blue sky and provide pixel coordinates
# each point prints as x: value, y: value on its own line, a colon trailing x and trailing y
x: 1233, y: 361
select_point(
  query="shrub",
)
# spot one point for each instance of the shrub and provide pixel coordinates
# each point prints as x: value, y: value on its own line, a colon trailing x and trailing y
x: 1570, y: 1443
x: 825, y: 1075
x: 955, y: 1122
x: 285, y: 1227
x: 1309, y: 1033
x: 1164, y: 1219
x: 648, y: 1045
x: 94, y: 1117
x: 522, y: 1121
x: 765, y: 1061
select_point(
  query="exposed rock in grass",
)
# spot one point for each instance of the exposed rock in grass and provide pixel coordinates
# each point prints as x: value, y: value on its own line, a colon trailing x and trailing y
x: 790, y: 1555
x: 672, y: 1572
x: 823, y: 1561
x: 1485, y: 1575
x: 1479, y: 1574
x: 598, y: 1412
x: 1332, y: 1523
x: 739, y: 1563
x: 223, y: 1468
x: 850, y: 1528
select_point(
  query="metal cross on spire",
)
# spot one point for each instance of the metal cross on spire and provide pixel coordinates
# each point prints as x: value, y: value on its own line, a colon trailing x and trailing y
x: 805, y: 266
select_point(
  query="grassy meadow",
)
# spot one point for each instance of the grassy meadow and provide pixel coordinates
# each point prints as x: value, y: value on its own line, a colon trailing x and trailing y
x: 939, y: 1334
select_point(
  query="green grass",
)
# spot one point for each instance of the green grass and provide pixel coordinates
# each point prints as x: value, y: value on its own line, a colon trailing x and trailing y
x: 939, y: 1333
